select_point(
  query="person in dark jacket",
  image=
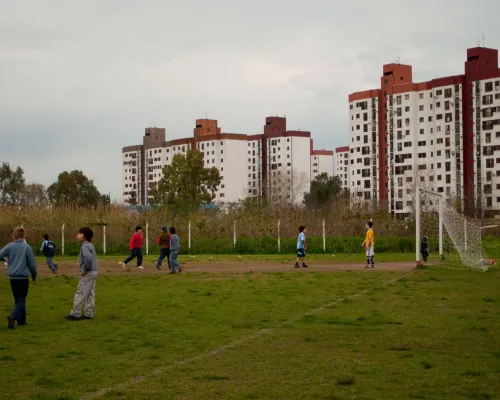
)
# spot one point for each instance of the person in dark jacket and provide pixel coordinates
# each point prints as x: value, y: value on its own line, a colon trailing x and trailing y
x: 135, y: 246
x: 424, y: 249
x: 164, y: 243
x: 22, y: 263
x: 48, y: 249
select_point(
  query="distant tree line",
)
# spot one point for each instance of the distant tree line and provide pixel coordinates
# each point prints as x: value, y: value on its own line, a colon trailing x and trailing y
x: 71, y: 188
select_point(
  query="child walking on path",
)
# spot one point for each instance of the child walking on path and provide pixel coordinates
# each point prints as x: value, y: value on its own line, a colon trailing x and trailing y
x: 88, y: 276
x: 22, y: 263
x: 301, y: 248
x: 164, y: 242
x: 48, y: 249
x: 135, y: 246
x: 369, y: 244
x: 175, y: 247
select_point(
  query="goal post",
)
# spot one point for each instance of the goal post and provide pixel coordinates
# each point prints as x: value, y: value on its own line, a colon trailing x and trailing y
x: 440, y: 224
x: 445, y: 236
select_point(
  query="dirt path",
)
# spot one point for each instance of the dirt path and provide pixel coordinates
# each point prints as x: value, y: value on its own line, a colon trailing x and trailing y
x: 112, y: 268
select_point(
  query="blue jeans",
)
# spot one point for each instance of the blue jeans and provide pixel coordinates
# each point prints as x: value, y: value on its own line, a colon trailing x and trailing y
x: 164, y: 253
x: 174, y: 264
x: 20, y: 292
x: 52, y: 266
x: 135, y: 253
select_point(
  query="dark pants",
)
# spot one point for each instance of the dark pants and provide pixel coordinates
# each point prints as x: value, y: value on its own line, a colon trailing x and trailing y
x: 52, y: 265
x: 20, y: 292
x: 163, y: 253
x: 135, y: 253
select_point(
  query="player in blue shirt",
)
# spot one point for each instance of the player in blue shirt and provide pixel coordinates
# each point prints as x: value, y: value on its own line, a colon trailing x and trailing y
x: 301, y: 248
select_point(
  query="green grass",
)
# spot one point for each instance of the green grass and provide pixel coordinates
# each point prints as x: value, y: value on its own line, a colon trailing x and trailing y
x: 432, y: 334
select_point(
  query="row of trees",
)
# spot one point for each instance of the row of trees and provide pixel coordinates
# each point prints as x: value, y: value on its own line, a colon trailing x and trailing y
x: 187, y: 183
x: 70, y: 188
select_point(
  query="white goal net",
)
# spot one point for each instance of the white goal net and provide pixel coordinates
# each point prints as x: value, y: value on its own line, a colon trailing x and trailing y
x: 446, y: 237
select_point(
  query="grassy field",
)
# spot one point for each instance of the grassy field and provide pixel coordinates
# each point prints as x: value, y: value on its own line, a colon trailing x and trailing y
x: 426, y: 334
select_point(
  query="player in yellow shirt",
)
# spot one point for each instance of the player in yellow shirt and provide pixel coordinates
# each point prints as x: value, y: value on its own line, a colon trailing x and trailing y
x: 369, y: 244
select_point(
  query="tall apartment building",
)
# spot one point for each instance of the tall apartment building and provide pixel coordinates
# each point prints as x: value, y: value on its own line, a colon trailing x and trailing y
x: 342, y: 165
x: 443, y: 135
x: 277, y: 164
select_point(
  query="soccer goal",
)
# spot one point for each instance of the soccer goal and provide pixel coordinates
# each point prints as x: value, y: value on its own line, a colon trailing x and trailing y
x: 445, y: 236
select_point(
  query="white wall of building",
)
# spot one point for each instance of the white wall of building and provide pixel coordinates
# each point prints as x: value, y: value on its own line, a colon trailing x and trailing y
x: 426, y: 145
x: 487, y: 99
x: 131, y: 162
x: 342, y: 167
x: 254, y: 168
x: 363, y: 149
x: 233, y: 169
x: 321, y: 163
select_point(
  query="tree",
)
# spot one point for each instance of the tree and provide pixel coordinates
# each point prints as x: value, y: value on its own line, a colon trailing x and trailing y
x: 33, y: 194
x: 132, y: 200
x: 324, y: 190
x: 74, y: 188
x: 185, y: 182
x: 105, y: 199
x: 11, y: 184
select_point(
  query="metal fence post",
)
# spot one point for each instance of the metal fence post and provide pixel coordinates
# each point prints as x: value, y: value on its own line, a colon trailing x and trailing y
x: 279, y: 236
x: 62, y: 239
x: 147, y: 237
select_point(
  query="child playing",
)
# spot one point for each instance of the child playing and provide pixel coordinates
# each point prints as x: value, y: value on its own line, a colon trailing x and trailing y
x: 88, y: 276
x: 22, y: 263
x: 48, y: 249
x: 135, y: 246
x: 164, y: 242
x: 175, y: 246
x: 369, y: 244
x: 424, y: 249
x: 301, y: 247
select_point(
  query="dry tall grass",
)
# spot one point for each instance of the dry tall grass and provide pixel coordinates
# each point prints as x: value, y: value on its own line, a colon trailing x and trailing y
x: 256, y: 222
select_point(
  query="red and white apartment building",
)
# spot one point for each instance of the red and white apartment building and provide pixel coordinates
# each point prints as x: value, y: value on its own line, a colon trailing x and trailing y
x: 443, y: 134
x: 278, y: 163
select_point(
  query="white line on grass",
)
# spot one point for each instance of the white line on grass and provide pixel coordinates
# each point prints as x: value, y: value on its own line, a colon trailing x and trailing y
x: 220, y: 349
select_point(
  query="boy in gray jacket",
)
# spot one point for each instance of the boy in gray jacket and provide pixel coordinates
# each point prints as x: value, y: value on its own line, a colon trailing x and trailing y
x: 88, y: 276
x: 175, y: 247
x: 22, y: 263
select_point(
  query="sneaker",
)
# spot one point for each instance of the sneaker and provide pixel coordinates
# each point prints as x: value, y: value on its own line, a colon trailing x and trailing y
x: 367, y: 266
x: 70, y: 317
x: 11, y: 324
x: 180, y: 269
x: 158, y: 268
x: 305, y: 266
x: 140, y: 268
x: 373, y: 266
x: 85, y: 317
x: 124, y: 266
x: 297, y: 265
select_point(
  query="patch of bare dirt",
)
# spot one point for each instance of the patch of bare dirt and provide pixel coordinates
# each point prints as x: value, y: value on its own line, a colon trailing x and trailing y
x: 112, y: 268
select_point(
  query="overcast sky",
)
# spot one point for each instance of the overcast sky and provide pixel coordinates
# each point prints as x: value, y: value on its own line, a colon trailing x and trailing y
x: 81, y: 79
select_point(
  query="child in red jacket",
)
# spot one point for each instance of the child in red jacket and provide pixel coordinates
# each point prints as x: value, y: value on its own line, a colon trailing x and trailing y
x: 135, y: 246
